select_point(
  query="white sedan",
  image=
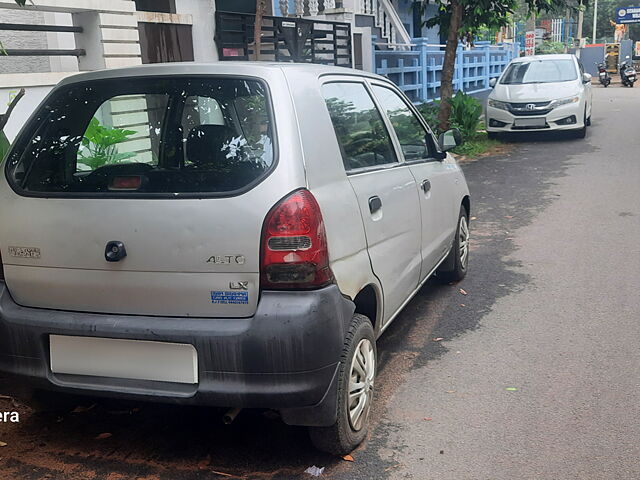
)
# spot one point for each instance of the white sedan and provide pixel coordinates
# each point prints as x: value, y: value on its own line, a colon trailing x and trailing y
x: 541, y: 93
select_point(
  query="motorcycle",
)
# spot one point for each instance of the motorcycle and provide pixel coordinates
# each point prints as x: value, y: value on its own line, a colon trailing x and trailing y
x: 603, y: 74
x: 628, y: 73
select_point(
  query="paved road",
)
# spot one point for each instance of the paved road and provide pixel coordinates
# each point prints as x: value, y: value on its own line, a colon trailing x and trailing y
x: 536, y: 375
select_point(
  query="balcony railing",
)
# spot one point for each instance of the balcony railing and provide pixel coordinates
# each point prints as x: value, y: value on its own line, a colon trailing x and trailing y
x: 385, y: 16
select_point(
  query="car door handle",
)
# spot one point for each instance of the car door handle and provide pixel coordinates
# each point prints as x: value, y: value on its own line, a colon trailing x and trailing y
x: 375, y: 204
x: 425, y: 186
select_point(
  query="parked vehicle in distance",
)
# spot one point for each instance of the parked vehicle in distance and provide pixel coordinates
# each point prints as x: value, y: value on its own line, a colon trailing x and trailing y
x: 234, y: 235
x: 603, y: 74
x: 628, y: 74
x: 541, y: 93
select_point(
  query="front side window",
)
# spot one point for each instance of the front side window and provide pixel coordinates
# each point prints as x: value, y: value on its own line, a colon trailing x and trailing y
x: 409, y: 130
x: 540, y: 71
x: 362, y: 135
x: 147, y: 136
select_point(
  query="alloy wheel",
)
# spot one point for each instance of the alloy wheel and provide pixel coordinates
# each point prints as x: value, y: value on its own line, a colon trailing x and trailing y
x: 361, y: 380
x: 464, y: 241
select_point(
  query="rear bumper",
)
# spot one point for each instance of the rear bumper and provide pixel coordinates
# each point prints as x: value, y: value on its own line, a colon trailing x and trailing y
x: 285, y: 357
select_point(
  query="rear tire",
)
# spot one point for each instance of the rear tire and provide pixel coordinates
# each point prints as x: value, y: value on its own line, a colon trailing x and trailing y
x: 355, y: 391
x: 493, y: 135
x: 455, y: 266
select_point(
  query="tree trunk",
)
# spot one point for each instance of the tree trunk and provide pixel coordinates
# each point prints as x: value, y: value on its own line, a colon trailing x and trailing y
x: 4, y: 142
x: 4, y: 118
x: 580, y: 21
x: 257, y: 40
x: 449, y: 65
x: 566, y: 30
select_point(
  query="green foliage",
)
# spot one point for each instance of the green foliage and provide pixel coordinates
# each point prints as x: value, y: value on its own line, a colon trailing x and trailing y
x: 100, y: 145
x: 4, y: 146
x: 607, y: 12
x: 488, y: 14
x: 465, y: 114
x: 430, y: 113
x: 548, y: 47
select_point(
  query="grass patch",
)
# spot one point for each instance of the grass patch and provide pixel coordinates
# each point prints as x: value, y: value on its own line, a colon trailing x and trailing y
x: 477, y: 146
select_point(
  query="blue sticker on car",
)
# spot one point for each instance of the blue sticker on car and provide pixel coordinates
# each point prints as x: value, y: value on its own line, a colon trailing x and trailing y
x: 230, y: 298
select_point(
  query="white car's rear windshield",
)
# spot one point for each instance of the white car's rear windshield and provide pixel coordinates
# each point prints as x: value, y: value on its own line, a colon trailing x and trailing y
x: 147, y: 136
x: 540, y: 71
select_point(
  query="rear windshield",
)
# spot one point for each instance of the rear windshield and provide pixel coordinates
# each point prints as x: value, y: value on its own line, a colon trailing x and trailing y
x: 540, y: 71
x: 147, y: 136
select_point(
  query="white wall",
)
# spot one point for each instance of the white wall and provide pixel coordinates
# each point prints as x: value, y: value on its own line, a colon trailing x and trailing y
x: 23, y: 40
x: 64, y: 41
x: 34, y: 95
x: 204, y: 20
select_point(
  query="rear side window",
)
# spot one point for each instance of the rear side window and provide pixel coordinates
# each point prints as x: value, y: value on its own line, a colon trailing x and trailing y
x: 362, y: 135
x: 148, y: 136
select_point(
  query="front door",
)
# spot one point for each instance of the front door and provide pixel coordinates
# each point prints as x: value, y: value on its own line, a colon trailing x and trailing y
x: 385, y: 188
x: 433, y: 177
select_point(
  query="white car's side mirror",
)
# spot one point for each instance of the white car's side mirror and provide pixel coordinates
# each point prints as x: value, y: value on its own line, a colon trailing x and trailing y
x: 493, y: 82
x: 586, y: 78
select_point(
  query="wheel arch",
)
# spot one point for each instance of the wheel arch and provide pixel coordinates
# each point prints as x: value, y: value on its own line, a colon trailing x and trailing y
x: 368, y: 302
x: 466, y: 203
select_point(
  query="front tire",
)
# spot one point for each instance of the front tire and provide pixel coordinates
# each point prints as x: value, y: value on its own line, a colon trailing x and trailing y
x: 355, y: 391
x: 582, y: 133
x: 455, y: 266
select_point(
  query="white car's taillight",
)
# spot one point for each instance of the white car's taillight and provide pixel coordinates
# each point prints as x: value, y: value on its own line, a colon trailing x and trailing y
x: 294, y: 245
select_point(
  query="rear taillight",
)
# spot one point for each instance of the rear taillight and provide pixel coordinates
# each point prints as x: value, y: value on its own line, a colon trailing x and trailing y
x: 294, y: 245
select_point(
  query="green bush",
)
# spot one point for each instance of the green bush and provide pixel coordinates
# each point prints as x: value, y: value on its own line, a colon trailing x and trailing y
x: 549, y: 47
x: 430, y: 113
x: 465, y: 114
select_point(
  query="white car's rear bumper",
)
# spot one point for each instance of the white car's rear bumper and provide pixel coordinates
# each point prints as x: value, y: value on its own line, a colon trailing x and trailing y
x: 566, y: 117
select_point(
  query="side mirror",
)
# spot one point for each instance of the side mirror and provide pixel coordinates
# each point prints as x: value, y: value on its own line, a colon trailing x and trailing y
x: 586, y: 78
x: 493, y: 82
x: 450, y: 139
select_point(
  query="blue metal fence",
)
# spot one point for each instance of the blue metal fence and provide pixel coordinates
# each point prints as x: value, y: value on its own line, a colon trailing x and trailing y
x: 417, y: 72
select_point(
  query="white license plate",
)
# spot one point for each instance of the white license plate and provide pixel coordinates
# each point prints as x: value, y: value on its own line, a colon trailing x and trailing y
x: 530, y: 122
x: 129, y: 359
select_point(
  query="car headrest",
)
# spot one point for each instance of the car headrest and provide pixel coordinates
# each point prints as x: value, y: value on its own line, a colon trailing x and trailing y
x: 205, y: 143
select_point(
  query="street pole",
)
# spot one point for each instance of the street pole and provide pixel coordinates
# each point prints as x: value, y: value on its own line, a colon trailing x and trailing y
x: 595, y: 20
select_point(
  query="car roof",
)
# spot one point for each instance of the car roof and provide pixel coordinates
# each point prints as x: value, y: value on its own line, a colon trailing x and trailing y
x: 542, y: 58
x: 240, y: 68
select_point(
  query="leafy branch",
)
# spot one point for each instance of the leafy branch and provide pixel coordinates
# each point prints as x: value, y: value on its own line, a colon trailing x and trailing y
x: 100, y: 145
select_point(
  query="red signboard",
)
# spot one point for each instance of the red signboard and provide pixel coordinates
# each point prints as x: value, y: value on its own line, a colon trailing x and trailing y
x: 530, y: 43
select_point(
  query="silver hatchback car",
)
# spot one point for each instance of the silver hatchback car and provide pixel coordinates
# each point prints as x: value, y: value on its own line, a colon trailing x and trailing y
x: 234, y: 235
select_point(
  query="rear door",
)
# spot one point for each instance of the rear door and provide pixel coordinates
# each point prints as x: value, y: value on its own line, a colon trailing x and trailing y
x: 143, y: 196
x: 384, y: 186
x: 434, y: 179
